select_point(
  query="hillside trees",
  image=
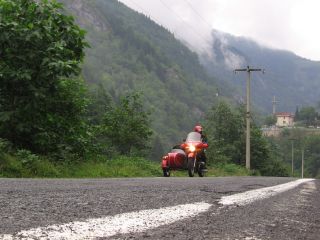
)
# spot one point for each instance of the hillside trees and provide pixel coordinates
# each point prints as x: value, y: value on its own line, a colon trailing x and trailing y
x: 127, y: 125
x: 131, y: 52
x: 307, y: 115
x: 302, y: 139
x: 225, y: 128
x: 313, y: 156
x: 270, y: 120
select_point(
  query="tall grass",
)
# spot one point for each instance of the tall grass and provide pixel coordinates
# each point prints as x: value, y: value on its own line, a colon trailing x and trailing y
x: 30, y: 166
x: 119, y: 167
x: 220, y: 170
x: 25, y: 164
x: 229, y: 170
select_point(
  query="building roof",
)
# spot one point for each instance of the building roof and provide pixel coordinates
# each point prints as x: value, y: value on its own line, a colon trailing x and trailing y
x: 284, y: 114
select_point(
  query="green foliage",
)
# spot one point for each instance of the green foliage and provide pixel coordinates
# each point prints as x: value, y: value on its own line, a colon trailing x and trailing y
x: 308, y: 116
x: 225, y: 128
x: 10, y: 166
x: 26, y: 164
x: 127, y: 125
x: 117, y: 167
x: 27, y: 158
x: 229, y: 169
x: 270, y: 120
x: 129, y: 52
x: 157, y: 150
x: 100, y: 103
x: 5, y: 146
x: 40, y: 104
x: 313, y: 156
x: 300, y: 139
x: 23, y: 163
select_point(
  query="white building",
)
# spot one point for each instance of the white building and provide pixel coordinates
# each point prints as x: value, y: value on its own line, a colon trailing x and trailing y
x: 285, y: 119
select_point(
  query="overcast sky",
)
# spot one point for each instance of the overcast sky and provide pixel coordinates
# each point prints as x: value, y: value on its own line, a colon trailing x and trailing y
x: 284, y: 24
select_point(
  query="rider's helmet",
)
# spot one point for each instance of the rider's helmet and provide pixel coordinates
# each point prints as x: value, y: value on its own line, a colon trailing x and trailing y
x: 198, y: 128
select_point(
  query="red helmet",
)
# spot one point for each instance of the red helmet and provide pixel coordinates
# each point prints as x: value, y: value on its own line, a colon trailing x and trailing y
x: 198, y: 128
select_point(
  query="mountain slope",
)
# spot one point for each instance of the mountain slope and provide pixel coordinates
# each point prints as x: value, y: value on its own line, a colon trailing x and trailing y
x: 293, y: 80
x: 131, y: 52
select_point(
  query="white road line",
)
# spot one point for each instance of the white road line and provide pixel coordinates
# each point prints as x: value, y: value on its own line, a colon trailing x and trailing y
x: 112, y: 225
x: 261, y: 193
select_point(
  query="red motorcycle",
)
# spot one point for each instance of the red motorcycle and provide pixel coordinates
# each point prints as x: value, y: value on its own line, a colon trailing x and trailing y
x: 187, y: 156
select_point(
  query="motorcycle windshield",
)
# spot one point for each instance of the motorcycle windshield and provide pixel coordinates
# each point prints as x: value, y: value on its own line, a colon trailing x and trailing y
x: 193, y: 137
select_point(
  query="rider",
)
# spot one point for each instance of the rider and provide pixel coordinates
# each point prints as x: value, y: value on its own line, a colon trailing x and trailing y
x: 198, y: 129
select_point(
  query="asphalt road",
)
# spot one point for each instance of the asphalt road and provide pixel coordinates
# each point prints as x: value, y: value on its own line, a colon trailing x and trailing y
x: 294, y: 214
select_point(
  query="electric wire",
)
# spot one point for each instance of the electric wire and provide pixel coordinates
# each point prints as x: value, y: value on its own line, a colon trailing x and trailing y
x: 157, y: 20
x: 198, y: 14
x: 147, y: 13
x: 195, y: 32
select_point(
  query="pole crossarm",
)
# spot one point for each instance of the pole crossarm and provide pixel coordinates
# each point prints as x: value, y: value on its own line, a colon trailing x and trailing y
x: 248, y: 69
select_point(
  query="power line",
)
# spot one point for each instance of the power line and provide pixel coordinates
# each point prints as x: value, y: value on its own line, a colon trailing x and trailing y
x: 143, y: 10
x: 198, y: 14
x: 196, y: 33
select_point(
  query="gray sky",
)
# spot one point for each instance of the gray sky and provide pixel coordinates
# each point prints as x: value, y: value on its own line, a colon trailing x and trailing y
x: 287, y: 24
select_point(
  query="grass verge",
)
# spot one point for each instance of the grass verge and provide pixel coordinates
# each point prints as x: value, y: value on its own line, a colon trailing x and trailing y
x: 15, y: 167
x: 220, y: 170
x: 30, y: 166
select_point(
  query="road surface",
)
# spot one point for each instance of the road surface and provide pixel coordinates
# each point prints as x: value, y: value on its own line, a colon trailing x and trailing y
x: 160, y: 208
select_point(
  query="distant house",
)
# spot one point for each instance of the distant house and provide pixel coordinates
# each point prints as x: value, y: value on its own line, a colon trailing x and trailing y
x: 284, y: 119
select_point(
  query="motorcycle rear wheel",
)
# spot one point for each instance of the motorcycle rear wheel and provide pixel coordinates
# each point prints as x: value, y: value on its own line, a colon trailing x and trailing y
x: 201, y: 172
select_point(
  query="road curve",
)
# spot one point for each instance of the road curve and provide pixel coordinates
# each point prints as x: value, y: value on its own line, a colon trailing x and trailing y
x: 292, y: 214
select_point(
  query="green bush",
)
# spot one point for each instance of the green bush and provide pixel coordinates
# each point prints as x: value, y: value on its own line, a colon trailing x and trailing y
x: 10, y: 166
x: 26, y: 164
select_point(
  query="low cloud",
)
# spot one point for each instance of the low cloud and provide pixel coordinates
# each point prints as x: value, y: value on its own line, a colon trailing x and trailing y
x: 286, y: 24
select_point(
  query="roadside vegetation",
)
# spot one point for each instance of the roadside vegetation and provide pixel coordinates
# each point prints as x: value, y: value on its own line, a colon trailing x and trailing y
x: 31, y: 166
x: 302, y: 143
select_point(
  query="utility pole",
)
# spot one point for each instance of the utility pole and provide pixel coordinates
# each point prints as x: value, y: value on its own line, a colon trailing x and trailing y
x: 248, y: 115
x: 292, y: 155
x: 302, y: 162
x: 274, y: 103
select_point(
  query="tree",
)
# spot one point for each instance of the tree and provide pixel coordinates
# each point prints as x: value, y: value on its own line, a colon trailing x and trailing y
x: 157, y: 150
x: 297, y: 115
x: 270, y: 120
x: 41, y: 100
x: 309, y: 115
x: 312, y: 155
x: 224, y: 128
x: 100, y: 102
x: 127, y: 125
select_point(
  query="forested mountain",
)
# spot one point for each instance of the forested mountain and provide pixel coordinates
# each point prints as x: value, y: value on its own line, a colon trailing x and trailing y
x: 131, y: 52
x: 293, y: 80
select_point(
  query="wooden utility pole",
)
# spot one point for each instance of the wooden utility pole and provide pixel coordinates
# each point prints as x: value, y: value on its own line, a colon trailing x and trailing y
x: 248, y: 115
x: 292, y: 155
x: 302, y: 162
